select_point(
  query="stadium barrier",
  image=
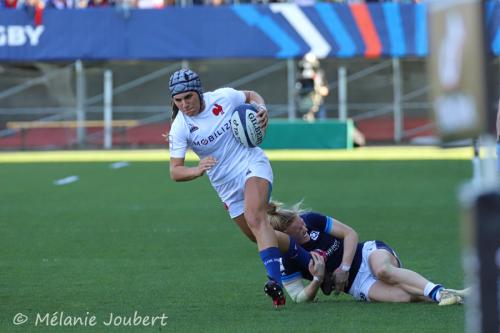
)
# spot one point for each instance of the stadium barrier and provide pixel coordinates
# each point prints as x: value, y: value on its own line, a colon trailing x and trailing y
x: 299, y: 134
x: 59, y: 127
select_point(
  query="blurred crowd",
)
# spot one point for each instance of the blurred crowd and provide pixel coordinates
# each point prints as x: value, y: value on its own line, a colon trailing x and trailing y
x: 62, y: 4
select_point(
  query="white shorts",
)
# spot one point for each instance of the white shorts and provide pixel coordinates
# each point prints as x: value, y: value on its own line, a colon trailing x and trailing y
x: 232, y: 193
x: 365, y: 278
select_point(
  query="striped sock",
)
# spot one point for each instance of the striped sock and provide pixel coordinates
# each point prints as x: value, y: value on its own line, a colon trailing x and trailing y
x: 433, y: 291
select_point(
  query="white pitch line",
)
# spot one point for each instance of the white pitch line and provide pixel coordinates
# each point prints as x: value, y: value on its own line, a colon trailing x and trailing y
x: 66, y: 180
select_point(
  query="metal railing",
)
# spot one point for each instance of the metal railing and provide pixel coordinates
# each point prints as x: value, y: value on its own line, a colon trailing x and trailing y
x: 89, y: 105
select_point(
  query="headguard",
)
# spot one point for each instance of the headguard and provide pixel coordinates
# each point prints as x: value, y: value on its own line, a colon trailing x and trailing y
x: 185, y: 80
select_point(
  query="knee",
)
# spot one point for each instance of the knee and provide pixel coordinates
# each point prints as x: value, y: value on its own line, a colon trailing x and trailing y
x: 255, y: 219
x: 385, y: 273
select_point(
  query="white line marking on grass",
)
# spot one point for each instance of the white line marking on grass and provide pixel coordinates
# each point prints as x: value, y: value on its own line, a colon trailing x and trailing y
x: 119, y: 165
x: 66, y: 180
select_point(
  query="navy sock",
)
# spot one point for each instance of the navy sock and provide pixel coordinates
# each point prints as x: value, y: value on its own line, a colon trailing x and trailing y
x: 296, y: 252
x: 271, y: 259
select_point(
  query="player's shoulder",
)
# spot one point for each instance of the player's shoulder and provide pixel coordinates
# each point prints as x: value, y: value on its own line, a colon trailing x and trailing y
x: 313, y: 218
x: 224, y: 92
x: 310, y: 215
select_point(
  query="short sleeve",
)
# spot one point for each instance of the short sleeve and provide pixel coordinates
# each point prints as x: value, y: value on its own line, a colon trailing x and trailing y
x: 236, y: 97
x: 318, y: 222
x: 177, y: 139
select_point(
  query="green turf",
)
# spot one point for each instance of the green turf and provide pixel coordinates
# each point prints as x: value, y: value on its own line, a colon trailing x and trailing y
x: 132, y: 240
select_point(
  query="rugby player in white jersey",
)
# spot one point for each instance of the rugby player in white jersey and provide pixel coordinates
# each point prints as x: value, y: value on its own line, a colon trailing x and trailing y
x: 369, y: 271
x: 241, y: 176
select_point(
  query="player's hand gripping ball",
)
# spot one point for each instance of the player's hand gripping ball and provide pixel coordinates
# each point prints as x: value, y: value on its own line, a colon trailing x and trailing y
x: 246, y: 127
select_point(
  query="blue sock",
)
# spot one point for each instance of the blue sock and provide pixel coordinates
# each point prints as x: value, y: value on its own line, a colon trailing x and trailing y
x: 296, y: 252
x: 271, y: 259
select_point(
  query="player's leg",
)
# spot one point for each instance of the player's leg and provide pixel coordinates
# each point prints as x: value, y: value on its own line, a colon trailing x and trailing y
x: 242, y: 223
x: 366, y: 286
x: 256, y: 201
x: 383, y: 292
x: 385, y: 266
x: 287, y: 245
x: 255, y: 213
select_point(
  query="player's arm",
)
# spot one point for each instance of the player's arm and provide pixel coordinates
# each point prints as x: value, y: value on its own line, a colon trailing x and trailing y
x: 350, y: 237
x: 256, y: 100
x: 179, y: 172
x: 295, y: 287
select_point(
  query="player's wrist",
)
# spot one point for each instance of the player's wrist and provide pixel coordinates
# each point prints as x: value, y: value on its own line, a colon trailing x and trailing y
x: 345, y: 268
x: 318, y: 278
x: 259, y: 106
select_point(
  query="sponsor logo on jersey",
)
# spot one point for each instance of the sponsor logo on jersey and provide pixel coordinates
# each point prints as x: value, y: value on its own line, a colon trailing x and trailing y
x: 314, y: 235
x: 333, y: 248
x: 217, y: 110
x: 226, y: 127
x: 248, y: 172
x: 193, y: 128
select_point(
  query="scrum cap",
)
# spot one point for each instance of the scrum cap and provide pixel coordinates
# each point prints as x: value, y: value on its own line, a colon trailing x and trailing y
x: 185, y: 80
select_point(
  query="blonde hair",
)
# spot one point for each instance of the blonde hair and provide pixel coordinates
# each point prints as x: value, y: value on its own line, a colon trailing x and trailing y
x: 281, y: 217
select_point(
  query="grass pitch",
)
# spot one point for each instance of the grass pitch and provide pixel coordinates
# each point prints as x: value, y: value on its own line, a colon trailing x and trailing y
x: 119, y: 241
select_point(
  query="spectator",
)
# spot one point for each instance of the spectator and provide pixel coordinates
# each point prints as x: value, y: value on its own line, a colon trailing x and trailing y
x: 12, y: 4
x: 35, y: 8
x: 312, y: 88
x: 150, y: 4
x: 99, y: 3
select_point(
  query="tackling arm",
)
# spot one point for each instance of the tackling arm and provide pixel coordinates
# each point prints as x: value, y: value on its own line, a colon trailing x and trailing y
x: 350, y: 238
x: 296, y: 289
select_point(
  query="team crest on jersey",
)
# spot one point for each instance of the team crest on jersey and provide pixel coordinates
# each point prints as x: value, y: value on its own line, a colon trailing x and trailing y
x: 217, y: 110
x: 314, y: 235
x: 193, y: 128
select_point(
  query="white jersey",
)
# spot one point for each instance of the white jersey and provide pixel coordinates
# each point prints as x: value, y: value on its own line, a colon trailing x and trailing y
x: 209, y: 134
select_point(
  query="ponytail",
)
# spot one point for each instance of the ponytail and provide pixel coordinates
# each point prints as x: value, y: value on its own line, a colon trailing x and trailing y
x: 281, y: 217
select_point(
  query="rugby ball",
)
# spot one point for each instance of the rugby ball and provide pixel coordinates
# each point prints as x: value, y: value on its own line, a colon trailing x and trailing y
x: 245, y: 126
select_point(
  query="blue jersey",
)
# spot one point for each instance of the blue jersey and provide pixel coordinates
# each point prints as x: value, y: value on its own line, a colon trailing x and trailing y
x: 319, y: 228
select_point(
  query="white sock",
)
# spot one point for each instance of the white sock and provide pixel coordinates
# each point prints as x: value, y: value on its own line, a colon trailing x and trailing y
x: 429, y: 287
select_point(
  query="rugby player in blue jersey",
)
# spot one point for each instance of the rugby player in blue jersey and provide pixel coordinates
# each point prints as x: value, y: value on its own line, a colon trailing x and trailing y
x: 369, y: 271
